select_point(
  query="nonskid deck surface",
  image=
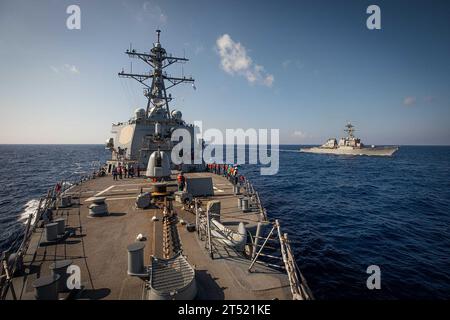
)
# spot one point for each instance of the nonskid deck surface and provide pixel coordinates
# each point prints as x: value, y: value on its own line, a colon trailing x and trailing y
x: 99, y: 246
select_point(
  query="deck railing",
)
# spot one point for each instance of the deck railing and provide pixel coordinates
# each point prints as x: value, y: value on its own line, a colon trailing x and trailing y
x: 277, y: 240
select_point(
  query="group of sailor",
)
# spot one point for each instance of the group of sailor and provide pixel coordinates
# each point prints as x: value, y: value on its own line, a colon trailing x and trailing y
x: 125, y: 170
x: 231, y: 172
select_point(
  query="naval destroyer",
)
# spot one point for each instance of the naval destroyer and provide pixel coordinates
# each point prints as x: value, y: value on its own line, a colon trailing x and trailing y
x: 350, y: 145
x: 130, y: 231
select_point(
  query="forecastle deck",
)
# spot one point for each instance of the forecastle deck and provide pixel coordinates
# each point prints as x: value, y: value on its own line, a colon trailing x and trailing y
x: 98, y: 245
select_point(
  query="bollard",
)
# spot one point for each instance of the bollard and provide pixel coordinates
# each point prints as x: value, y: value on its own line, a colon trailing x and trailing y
x: 99, y: 207
x: 136, y: 259
x: 143, y: 200
x: 46, y: 288
x: 61, y: 222
x: 245, y: 206
x: 51, y: 232
x: 99, y: 200
x: 59, y: 268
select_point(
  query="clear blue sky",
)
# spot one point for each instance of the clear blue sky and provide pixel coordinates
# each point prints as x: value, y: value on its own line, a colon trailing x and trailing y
x: 314, y: 65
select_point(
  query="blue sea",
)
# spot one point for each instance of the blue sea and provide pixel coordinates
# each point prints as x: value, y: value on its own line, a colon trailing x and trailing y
x: 342, y: 213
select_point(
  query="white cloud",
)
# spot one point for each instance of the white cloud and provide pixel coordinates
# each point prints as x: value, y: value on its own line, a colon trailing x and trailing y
x: 71, y: 69
x: 234, y: 60
x: 68, y: 68
x: 409, y: 101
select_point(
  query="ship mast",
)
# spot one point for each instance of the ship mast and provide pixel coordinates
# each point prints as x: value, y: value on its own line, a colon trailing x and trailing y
x: 349, y: 129
x: 158, y: 60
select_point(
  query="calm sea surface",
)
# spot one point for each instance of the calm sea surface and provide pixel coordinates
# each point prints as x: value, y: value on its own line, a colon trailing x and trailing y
x: 342, y: 213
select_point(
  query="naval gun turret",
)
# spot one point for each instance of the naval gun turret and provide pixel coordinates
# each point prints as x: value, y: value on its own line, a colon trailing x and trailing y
x: 158, y: 165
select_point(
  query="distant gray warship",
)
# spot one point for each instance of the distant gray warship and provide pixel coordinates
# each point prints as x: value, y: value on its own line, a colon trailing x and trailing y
x: 350, y: 145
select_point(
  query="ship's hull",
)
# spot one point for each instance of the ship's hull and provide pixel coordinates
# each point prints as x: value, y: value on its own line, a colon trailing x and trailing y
x: 376, y: 151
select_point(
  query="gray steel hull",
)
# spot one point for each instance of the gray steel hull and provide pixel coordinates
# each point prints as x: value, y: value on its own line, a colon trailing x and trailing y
x: 376, y: 151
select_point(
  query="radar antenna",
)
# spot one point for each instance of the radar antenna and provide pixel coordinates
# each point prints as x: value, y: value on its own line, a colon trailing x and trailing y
x: 350, y: 129
x: 156, y: 92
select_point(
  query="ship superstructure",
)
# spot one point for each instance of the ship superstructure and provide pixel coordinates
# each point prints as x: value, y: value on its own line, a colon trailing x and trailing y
x: 150, y: 129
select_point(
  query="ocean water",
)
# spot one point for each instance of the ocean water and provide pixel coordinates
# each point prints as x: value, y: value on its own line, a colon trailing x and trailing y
x: 30, y: 170
x: 342, y: 213
x: 349, y: 212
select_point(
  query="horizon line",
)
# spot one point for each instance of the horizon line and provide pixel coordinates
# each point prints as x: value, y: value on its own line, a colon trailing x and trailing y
x: 281, y: 144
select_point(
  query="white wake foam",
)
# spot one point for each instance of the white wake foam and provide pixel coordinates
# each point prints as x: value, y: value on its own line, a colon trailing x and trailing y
x: 30, y: 208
